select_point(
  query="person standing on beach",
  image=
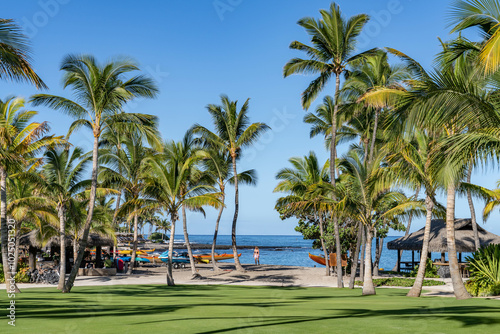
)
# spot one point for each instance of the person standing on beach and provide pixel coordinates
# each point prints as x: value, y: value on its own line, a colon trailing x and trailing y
x: 256, y: 255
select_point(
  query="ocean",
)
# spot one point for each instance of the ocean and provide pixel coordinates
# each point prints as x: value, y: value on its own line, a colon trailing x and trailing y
x: 291, y: 250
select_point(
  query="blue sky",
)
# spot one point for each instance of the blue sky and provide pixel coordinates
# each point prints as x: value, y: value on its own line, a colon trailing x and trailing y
x: 197, y: 50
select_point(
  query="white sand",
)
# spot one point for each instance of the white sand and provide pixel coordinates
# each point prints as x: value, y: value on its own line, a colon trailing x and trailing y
x: 264, y: 275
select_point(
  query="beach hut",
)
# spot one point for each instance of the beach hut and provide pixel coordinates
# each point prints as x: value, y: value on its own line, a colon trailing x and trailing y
x: 128, y: 238
x: 464, y: 239
x: 34, y: 243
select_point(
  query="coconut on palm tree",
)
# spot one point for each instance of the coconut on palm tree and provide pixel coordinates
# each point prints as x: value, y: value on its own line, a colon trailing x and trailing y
x: 100, y: 94
x: 233, y: 133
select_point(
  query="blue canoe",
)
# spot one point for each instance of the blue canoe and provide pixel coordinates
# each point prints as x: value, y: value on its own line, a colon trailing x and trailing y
x: 137, y: 259
x: 177, y: 258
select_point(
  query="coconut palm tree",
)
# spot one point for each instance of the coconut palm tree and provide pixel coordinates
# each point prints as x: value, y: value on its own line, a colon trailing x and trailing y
x: 164, y: 190
x: 20, y: 141
x: 15, y: 63
x: 233, y: 132
x: 125, y: 169
x: 100, y: 91
x: 63, y: 179
x: 297, y: 182
x: 217, y: 164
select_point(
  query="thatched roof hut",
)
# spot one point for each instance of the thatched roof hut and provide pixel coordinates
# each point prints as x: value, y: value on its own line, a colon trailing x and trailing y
x: 464, y: 238
x: 126, y: 238
x: 94, y: 240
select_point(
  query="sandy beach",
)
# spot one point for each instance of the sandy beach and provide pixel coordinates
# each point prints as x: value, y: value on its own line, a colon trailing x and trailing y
x: 263, y: 275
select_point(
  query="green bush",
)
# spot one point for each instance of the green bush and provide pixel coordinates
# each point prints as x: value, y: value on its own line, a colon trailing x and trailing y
x: 396, y: 281
x: 157, y: 237
x: 484, y: 268
x: 21, y: 275
x: 430, y: 270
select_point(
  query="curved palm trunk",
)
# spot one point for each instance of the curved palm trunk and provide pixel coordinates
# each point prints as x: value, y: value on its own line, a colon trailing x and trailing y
x: 214, y: 264
x: 188, y: 244
x: 363, y: 251
x: 477, y: 244
x: 354, y: 265
x: 62, y: 240
x: 170, y: 276
x: 237, y: 263
x: 374, y: 134
x: 333, y: 158
x: 368, y: 287
x: 88, y: 222
x: 456, y: 278
x: 416, y: 289
x: 410, y: 219
x: 115, y: 216
x: 321, y: 231
x: 134, y: 247
x: 5, y: 231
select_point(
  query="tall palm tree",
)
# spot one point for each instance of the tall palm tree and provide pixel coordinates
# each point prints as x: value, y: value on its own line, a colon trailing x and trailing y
x: 233, y: 132
x: 100, y: 93
x: 20, y: 140
x: 298, y: 182
x: 217, y: 164
x: 125, y: 170
x: 164, y: 190
x: 333, y: 39
x: 15, y: 59
x: 63, y: 179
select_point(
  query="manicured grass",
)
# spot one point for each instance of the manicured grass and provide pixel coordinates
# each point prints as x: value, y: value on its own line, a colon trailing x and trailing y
x: 397, y: 281
x: 216, y: 308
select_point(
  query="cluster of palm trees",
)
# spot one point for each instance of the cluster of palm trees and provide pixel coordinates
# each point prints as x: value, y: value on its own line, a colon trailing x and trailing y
x: 44, y: 179
x: 414, y: 129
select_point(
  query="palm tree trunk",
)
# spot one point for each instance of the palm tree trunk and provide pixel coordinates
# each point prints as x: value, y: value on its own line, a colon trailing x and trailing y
x: 419, y: 280
x: 75, y: 249
x: 322, y: 238
x: 4, y: 230
x: 400, y: 251
x: 363, y: 251
x: 477, y: 244
x: 90, y: 214
x: 188, y: 244
x: 62, y: 240
x: 368, y: 288
x: 237, y: 263
x: 354, y: 265
x: 170, y: 276
x: 214, y: 242
x: 377, y: 256
x: 115, y: 217
x: 333, y: 158
x: 134, y: 247
x: 374, y: 134
x: 456, y: 278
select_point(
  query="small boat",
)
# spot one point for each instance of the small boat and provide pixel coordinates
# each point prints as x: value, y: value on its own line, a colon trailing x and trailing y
x: 179, y: 260
x: 137, y: 259
x: 139, y: 251
x: 332, y: 259
x: 207, y: 258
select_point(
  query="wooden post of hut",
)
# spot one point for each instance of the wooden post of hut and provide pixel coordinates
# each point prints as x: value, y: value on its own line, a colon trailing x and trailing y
x: 98, y: 257
x: 412, y: 259
x: 398, y: 265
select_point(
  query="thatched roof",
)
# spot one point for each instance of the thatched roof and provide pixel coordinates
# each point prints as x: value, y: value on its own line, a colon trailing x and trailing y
x: 32, y: 239
x: 464, y: 238
x: 124, y: 238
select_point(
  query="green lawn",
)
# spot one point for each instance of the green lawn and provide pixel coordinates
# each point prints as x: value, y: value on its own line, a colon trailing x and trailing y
x: 215, y: 309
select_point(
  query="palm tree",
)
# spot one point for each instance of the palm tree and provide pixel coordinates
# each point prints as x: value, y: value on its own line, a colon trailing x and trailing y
x: 485, y: 15
x: 15, y: 63
x: 334, y: 41
x: 100, y: 91
x: 297, y: 182
x: 233, y: 133
x: 126, y: 171
x: 164, y: 191
x: 20, y: 141
x: 163, y: 225
x: 217, y: 164
x: 63, y: 179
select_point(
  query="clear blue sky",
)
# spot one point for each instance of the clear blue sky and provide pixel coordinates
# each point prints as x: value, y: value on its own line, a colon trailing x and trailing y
x: 197, y: 50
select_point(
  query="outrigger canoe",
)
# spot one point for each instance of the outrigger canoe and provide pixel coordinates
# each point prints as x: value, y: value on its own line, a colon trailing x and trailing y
x: 139, y: 251
x: 332, y: 259
x: 207, y: 258
x: 178, y: 260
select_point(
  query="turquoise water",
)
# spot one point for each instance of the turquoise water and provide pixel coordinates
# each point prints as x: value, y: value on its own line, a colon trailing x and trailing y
x: 290, y: 250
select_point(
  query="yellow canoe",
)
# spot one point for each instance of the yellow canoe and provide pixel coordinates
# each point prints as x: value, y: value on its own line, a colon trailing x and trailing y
x: 139, y: 251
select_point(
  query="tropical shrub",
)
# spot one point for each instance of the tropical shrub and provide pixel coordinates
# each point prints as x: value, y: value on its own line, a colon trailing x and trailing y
x: 430, y: 270
x: 397, y: 281
x: 484, y: 268
x: 158, y: 237
x: 22, y: 275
